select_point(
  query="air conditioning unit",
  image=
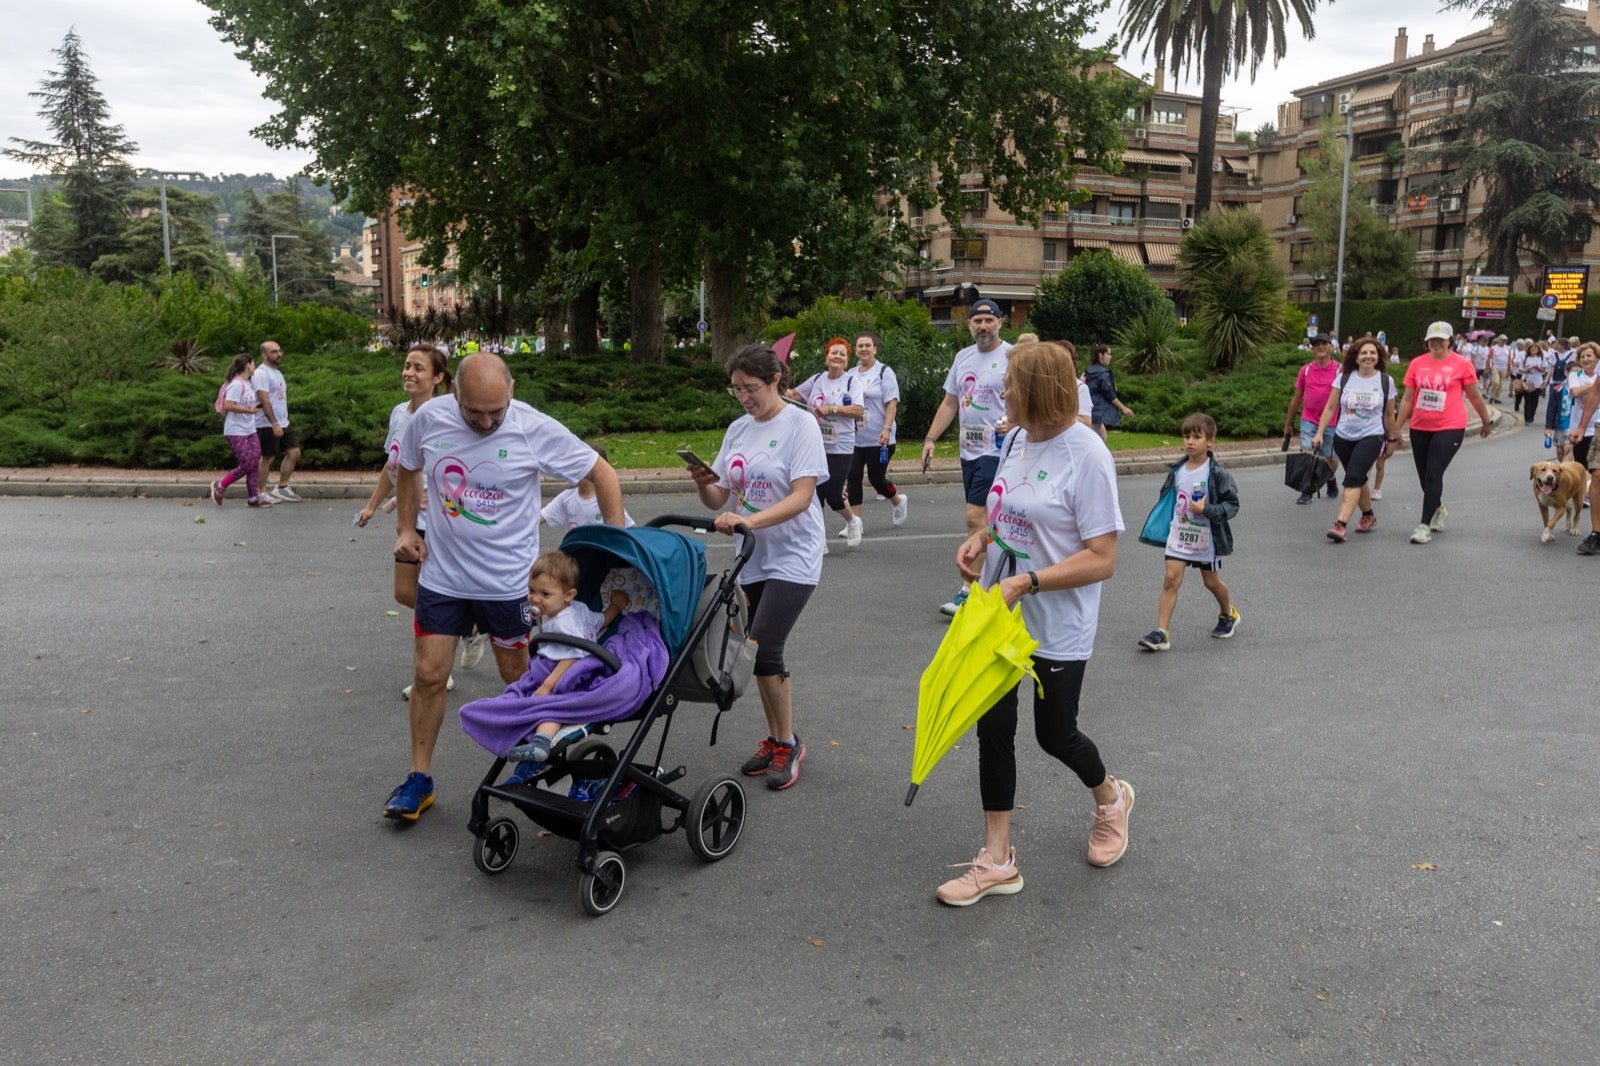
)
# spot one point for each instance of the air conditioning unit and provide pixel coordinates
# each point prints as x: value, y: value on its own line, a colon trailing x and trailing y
x: 1188, y: 222
x: 1140, y: 134
x: 1344, y: 98
x: 1216, y: 168
x: 1294, y: 220
x: 1451, y: 203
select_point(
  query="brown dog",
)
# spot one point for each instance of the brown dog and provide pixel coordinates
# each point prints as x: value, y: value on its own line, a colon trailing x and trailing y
x: 1559, y: 488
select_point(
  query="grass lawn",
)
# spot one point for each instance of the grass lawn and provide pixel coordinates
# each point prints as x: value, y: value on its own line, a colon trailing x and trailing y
x: 647, y: 451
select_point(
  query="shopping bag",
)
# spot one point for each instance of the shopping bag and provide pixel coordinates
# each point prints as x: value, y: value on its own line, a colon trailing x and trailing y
x: 1159, y: 524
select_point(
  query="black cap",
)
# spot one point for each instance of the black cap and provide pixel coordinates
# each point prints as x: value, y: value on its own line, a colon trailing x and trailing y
x: 1321, y: 338
x: 984, y: 307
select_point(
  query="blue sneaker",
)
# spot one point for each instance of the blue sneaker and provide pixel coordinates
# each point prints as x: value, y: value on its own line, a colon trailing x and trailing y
x: 585, y: 789
x: 1227, y: 624
x: 535, y: 750
x: 950, y: 608
x: 525, y: 772
x: 414, y: 796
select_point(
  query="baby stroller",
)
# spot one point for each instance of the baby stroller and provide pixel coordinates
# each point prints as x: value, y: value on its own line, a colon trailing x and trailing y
x: 618, y: 800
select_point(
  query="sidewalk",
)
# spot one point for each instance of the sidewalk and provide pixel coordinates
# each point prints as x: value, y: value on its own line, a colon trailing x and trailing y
x: 357, y: 485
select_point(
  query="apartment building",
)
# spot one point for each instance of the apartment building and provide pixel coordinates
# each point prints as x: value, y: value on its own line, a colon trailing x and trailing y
x: 1386, y: 117
x: 1139, y: 215
x: 394, y: 259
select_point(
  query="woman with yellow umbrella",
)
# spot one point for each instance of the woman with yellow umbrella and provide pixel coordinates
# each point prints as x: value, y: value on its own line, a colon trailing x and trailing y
x: 1052, y: 539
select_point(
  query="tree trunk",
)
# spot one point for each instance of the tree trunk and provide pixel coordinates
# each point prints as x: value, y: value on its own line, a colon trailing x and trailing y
x: 555, y: 327
x: 583, y: 314
x: 725, y: 294
x: 645, y: 314
x: 1215, y: 58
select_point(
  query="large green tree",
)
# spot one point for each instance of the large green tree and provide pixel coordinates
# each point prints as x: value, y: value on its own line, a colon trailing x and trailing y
x: 1220, y: 38
x: 304, y: 252
x: 550, y: 141
x: 88, y: 155
x: 190, y: 231
x: 1377, y: 257
x: 1533, y: 106
x: 1094, y: 297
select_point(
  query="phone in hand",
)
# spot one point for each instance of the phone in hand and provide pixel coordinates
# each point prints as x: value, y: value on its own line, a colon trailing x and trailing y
x: 692, y: 459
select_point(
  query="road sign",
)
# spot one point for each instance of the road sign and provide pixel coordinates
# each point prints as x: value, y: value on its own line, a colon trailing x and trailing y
x: 702, y: 325
x: 1484, y: 314
x: 1311, y: 320
x: 1545, y: 314
x: 1567, y: 284
x: 1484, y: 304
x: 1501, y: 280
x: 1548, y: 302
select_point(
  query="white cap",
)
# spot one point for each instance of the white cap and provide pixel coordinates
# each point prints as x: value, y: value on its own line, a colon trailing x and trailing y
x: 1441, y: 330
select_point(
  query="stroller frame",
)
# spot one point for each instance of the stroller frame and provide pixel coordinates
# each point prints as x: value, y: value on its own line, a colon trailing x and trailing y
x: 627, y: 809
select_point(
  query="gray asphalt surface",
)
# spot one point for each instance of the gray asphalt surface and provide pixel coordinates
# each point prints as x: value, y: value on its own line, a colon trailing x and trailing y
x: 1365, y: 828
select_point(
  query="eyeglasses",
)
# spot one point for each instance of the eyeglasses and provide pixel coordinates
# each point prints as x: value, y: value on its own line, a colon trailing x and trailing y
x: 739, y: 392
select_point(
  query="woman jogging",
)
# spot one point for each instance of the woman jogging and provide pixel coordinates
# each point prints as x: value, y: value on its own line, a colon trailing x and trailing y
x: 239, y: 405
x: 769, y: 467
x: 1432, y: 405
x: 1051, y: 540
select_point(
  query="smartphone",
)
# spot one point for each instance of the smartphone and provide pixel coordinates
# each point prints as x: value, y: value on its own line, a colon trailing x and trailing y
x: 692, y: 459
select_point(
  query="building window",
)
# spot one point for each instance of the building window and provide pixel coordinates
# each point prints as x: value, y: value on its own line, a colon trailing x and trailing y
x: 968, y: 247
x: 1168, y: 114
x: 974, y: 201
x: 1122, y: 214
x: 1052, y: 253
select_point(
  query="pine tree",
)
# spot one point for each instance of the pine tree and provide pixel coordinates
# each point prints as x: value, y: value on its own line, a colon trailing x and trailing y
x: 88, y: 155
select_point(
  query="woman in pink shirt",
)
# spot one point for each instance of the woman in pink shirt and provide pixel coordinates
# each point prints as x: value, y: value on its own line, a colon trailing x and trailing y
x: 1436, y: 384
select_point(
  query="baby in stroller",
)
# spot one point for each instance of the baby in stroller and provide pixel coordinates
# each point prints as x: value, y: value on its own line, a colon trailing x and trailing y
x: 566, y: 689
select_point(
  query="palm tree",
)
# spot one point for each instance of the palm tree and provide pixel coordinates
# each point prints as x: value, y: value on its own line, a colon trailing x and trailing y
x: 1219, y: 35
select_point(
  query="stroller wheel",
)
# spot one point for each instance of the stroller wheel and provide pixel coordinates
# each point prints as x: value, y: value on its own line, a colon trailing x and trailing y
x: 715, y: 817
x: 493, y: 852
x: 600, y: 891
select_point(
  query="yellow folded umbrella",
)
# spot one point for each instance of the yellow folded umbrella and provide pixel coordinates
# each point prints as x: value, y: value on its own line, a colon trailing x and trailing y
x: 986, y: 651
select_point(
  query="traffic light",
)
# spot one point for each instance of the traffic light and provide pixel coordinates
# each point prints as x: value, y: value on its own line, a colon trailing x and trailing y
x: 424, y: 281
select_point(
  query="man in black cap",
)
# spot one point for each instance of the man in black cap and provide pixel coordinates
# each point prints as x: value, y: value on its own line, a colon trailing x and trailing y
x: 1311, y: 388
x: 972, y: 395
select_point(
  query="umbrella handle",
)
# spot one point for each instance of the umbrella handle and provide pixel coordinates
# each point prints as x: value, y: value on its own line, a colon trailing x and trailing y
x: 911, y: 795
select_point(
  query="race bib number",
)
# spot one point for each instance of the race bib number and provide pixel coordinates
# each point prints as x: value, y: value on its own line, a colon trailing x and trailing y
x: 1190, y: 540
x: 1430, y: 400
x: 830, y: 432
x: 975, y: 436
x: 1363, y: 402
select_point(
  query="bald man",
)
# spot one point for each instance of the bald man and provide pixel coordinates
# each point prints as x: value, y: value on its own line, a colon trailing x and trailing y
x: 479, y: 454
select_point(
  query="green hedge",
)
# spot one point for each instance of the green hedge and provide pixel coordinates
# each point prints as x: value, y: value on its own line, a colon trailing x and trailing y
x: 1406, y: 321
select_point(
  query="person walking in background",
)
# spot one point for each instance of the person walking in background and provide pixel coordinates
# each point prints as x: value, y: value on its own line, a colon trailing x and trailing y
x: 578, y: 505
x: 834, y: 398
x: 876, y: 436
x: 1580, y: 382
x: 1311, y: 387
x: 1205, y: 498
x: 972, y: 399
x: 1436, y: 384
x: 1585, y: 420
x: 1108, y: 410
x: 1049, y: 543
x: 276, y: 436
x: 1535, y: 369
x: 1363, y: 400
x: 1499, y: 367
x: 768, y: 467
x: 239, y: 407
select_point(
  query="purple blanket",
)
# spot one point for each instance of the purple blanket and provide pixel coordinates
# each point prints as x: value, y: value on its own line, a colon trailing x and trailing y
x: 588, y: 692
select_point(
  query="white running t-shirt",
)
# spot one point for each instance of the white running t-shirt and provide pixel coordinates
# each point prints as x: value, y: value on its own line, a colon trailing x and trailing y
x: 569, y: 510
x: 975, y: 380
x: 758, y: 462
x: 271, y: 382
x: 838, y: 431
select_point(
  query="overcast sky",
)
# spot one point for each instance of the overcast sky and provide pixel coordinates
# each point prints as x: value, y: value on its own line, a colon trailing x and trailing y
x: 180, y: 94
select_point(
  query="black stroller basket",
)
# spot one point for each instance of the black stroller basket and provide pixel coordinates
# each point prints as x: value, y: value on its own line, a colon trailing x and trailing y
x: 623, y: 799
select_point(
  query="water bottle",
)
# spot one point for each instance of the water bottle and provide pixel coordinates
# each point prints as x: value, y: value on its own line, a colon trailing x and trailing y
x: 883, y: 455
x: 845, y: 401
x: 999, y: 439
x: 1549, y: 439
x: 1199, y: 494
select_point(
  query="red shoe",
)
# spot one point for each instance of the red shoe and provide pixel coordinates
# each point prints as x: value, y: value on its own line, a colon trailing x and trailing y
x: 1336, y: 534
x: 1368, y: 520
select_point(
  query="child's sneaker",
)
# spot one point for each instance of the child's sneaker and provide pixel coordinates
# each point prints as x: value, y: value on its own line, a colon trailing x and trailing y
x: 1156, y: 640
x: 983, y: 877
x: 757, y: 764
x: 784, y: 769
x: 1227, y: 624
x: 525, y: 772
x: 585, y: 789
x: 414, y: 796
x: 1108, y: 836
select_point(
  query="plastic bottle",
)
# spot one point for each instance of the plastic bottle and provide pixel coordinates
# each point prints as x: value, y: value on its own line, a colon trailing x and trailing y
x: 883, y: 455
x: 1549, y: 439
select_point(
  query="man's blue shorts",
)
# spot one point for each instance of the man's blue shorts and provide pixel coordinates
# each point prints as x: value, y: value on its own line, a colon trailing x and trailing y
x: 977, y: 475
x: 1308, y: 429
x: 508, y: 622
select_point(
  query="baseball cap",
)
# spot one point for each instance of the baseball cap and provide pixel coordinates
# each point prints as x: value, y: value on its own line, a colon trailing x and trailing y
x: 1321, y: 338
x: 1441, y: 330
x: 984, y: 307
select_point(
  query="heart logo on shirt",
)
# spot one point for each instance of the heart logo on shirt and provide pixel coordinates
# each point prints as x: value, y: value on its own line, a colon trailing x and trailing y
x: 466, y: 494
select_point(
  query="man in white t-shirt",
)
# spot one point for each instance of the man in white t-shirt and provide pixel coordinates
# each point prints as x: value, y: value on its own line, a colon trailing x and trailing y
x: 273, y: 431
x: 479, y: 455
x: 972, y: 399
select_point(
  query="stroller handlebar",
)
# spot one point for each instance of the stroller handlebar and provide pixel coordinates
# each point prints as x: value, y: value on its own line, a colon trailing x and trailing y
x: 746, y: 542
x: 599, y: 651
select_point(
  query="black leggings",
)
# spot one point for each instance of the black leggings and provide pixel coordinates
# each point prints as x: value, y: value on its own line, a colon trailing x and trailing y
x: 1580, y: 451
x: 866, y: 459
x: 1055, y: 724
x: 1529, y: 402
x: 1357, y: 457
x: 831, y: 491
x: 774, y: 607
x: 1432, y: 453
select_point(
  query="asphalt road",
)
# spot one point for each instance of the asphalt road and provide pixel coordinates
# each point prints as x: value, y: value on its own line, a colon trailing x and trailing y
x: 1366, y: 827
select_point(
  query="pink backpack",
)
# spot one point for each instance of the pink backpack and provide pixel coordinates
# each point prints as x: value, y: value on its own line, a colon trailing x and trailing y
x: 222, y: 399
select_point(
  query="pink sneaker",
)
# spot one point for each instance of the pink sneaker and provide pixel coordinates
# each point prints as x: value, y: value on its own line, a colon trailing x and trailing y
x: 1108, y: 836
x: 982, y: 878
x: 1368, y: 520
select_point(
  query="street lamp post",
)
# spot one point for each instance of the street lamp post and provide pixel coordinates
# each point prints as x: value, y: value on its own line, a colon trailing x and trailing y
x: 276, y: 237
x: 1344, y: 211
